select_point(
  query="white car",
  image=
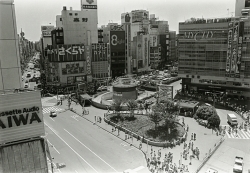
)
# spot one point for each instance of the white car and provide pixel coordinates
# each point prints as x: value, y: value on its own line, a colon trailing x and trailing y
x: 26, y: 86
x: 211, y: 170
x: 238, y: 165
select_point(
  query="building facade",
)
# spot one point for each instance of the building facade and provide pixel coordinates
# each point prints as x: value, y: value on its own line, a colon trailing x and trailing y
x: 214, y: 56
x: 10, y: 67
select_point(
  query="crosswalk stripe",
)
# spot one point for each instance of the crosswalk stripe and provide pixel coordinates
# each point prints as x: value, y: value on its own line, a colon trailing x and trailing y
x: 47, y: 110
x: 246, y: 133
x: 229, y: 136
x: 242, y: 131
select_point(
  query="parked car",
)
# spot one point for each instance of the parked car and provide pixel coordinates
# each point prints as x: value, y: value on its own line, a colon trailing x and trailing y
x: 53, y: 114
x: 238, y: 165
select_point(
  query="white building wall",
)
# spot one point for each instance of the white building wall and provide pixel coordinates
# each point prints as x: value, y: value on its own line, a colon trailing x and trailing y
x: 10, y: 68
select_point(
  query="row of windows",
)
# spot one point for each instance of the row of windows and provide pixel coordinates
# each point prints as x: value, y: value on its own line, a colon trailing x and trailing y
x: 203, y: 69
x: 201, y: 60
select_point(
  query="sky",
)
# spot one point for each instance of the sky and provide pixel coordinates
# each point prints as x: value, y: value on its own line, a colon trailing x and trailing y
x: 32, y: 14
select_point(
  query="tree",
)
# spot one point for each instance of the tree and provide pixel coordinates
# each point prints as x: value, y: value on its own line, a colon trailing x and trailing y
x: 214, y: 121
x: 117, y: 104
x: 204, y: 112
x: 169, y: 110
x: 132, y: 105
x: 155, y: 117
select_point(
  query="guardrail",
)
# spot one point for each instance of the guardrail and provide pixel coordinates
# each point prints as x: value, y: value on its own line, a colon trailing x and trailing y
x: 209, y: 154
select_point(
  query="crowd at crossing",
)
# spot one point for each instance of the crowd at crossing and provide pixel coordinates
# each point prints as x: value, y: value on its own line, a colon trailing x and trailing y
x: 237, y: 132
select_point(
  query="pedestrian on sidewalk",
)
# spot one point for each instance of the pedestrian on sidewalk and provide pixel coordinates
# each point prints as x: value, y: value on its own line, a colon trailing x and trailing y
x: 95, y: 118
x: 192, y: 136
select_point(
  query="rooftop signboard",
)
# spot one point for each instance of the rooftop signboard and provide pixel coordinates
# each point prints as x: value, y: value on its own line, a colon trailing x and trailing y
x: 20, y: 116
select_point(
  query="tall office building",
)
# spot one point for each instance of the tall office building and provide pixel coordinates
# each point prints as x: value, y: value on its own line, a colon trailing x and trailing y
x: 214, y: 56
x: 10, y: 67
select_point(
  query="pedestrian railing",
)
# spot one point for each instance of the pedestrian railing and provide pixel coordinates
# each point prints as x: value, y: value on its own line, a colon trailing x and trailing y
x: 209, y: 154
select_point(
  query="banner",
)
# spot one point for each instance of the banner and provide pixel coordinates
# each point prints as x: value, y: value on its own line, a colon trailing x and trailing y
x: 46, y: 30
x: 165, y: 91
x: 229, y: 46
x: 66, y: 53
x: 117, y: 41
x: 234, y: 49
x: 99, y: 52
x: 239, y: 52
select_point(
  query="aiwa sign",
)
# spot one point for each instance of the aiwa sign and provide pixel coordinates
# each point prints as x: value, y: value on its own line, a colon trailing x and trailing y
x: 20, y: 116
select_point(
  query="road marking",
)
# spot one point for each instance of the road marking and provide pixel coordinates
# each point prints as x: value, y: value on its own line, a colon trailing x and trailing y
x: 91, y: 151
x: 130, y: 149
x: 53, y: 146
x: 74, y: 118
x: 229, y: 135
x: 138, y: 169
x: 52, y: 119
x: 72, y: 149
x: 123, y: 144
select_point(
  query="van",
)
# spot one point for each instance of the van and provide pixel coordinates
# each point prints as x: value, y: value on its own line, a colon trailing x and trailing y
x: 232, y: 119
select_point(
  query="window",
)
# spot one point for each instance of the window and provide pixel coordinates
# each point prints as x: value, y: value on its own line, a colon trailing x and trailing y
x: 60, y: 19
x: 70, y: 14
x: 76, y: 14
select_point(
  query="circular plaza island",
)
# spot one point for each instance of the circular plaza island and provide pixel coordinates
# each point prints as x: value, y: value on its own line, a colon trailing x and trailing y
x: 125, y: 89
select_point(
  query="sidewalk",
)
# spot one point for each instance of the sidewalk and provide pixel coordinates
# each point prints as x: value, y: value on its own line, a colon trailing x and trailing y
x: 205, y: 138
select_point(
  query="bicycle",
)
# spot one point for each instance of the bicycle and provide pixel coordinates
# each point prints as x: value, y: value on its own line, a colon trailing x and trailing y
x: 85, y: 112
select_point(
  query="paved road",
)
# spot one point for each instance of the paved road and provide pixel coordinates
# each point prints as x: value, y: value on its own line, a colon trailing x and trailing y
x: 84, y: 147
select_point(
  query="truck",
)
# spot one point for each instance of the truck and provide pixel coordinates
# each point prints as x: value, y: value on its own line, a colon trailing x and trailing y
x: 232, y: 119
x: 238, y: 165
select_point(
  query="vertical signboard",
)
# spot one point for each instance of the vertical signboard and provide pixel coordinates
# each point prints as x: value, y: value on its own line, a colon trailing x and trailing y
x: 239, y: 51
x: 117, y: 41
x: 99, y: 52
x: 88, y: 60
x: 153, y: 40
x: 234, y: 49
x: 229, y: 48
x: 145, y: 51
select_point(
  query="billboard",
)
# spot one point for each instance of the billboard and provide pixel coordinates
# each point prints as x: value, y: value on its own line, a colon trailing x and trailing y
x: 138, y: 16
x: 72, y: 68
x: 46, y: 30
x: 66, y: 53
x: 117, y: 41
x: 99, y: 52
x: 165, y: 91
x: 88, y: 4
x: 21, y: 116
